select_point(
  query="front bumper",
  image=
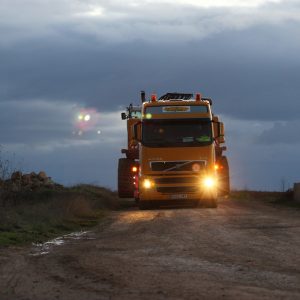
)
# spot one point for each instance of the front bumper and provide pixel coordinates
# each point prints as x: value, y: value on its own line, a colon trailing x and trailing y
x: 176, y: 188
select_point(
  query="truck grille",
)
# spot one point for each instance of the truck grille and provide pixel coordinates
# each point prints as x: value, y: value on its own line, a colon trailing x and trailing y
x: 177, y: 189
x: 188, y: 165
x: 174, y: 180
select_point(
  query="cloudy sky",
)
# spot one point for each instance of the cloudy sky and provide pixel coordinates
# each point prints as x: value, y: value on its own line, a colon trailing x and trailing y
x: 62, y: 58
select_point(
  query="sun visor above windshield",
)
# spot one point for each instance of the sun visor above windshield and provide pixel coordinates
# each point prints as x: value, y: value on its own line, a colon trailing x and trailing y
x: 176, y: 109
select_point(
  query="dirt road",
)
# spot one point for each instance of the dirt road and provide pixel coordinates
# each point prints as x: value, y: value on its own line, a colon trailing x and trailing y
x: 242, y: 250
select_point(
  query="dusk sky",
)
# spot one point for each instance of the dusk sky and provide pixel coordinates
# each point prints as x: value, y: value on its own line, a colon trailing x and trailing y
x: 60, y: 58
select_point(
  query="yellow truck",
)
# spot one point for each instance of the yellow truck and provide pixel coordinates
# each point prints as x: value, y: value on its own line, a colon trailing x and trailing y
x: 175, y: 152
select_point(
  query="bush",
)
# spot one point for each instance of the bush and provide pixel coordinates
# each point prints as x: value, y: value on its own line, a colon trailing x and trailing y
x: 8, y: 164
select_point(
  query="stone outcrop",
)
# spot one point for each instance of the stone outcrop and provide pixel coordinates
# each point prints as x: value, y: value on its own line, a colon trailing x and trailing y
x: 31, y: 181
x: 297, y: 192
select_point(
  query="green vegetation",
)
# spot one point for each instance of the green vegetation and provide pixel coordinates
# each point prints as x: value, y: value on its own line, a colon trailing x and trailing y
x: 35, y: 216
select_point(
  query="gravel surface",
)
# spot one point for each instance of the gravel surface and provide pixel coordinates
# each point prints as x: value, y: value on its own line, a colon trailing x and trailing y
x: 241, y: 250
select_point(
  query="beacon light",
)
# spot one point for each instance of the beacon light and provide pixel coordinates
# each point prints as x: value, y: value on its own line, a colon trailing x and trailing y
x: 198, y: 97
x: 153, y: 98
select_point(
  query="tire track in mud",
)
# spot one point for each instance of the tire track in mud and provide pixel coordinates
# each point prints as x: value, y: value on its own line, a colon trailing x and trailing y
x: 242, y: 250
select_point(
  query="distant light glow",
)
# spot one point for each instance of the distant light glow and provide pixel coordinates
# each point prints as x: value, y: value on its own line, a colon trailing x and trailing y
x: 86, y: 120
x: 87, y: 117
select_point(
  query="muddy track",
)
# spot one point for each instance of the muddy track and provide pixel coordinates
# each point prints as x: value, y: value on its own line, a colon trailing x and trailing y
x: 242, y: 250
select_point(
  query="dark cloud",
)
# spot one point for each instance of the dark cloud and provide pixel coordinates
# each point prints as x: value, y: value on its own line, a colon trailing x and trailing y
x: 60, y: 56
x: 251, y: 74
x: 55, y: 124
x: 95, y: 164
x: 281, y: 133
x: 34, y: 122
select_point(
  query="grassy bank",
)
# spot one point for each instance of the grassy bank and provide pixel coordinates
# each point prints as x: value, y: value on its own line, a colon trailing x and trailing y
x: 277, y: 198
x: 35, y: 216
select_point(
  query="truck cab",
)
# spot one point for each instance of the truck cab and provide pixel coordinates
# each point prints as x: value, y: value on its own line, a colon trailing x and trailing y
x: 179, y: 152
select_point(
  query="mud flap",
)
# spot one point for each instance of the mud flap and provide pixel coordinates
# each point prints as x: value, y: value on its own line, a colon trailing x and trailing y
x: 224, y: 179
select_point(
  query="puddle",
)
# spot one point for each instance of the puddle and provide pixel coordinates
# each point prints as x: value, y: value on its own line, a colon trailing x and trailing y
x: 45, y: 248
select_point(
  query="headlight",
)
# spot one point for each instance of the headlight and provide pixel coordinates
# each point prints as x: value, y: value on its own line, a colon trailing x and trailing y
x: 209, y: 182
x: 147, y: 184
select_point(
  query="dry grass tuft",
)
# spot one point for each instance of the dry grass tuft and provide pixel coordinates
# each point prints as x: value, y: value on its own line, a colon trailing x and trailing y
x: 33, y: 216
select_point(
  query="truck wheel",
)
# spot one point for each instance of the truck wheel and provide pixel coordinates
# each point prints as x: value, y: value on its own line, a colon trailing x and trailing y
x: 196, y: 203
x: 143, y: 205
x: 224, y: 178
x: 125, y: 178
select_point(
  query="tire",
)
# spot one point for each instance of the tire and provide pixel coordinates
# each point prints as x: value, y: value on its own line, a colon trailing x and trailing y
x: 144, y: 205
x: 125, y: 178
x: 224, y: 178
x: 196, y: 203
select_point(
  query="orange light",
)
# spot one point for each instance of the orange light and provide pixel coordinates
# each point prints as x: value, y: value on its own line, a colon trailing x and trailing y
x: 153, y: 98
x: 196, y: 167
x: 134, y: 169
x: 217, y: 167
x: 198, y: 97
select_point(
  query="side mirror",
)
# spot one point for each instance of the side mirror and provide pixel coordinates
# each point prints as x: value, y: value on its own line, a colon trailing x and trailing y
x: 123, y: 116
x: 137, y: 131
x: 221, y: 132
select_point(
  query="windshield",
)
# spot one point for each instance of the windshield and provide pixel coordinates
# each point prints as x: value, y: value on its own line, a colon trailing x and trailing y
x: 177, y: 133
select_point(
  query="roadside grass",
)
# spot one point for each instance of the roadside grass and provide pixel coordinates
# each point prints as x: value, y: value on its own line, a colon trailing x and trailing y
x: 277, y: 198
x: 36, y: 216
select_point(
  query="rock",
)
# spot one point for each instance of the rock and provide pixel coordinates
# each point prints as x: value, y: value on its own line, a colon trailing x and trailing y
x: 36, y: 184
x: 16, y: 175
x: 297, y: 191
x: 26, y: 179
x: 42, y: 176
x: 33, y: 175
x: 31, y: 181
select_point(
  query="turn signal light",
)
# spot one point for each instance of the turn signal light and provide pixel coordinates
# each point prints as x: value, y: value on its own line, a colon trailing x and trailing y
x: 134, y: 169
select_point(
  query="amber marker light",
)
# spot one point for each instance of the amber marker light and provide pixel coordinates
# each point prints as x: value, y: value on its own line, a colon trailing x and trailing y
x: 134, y: 169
